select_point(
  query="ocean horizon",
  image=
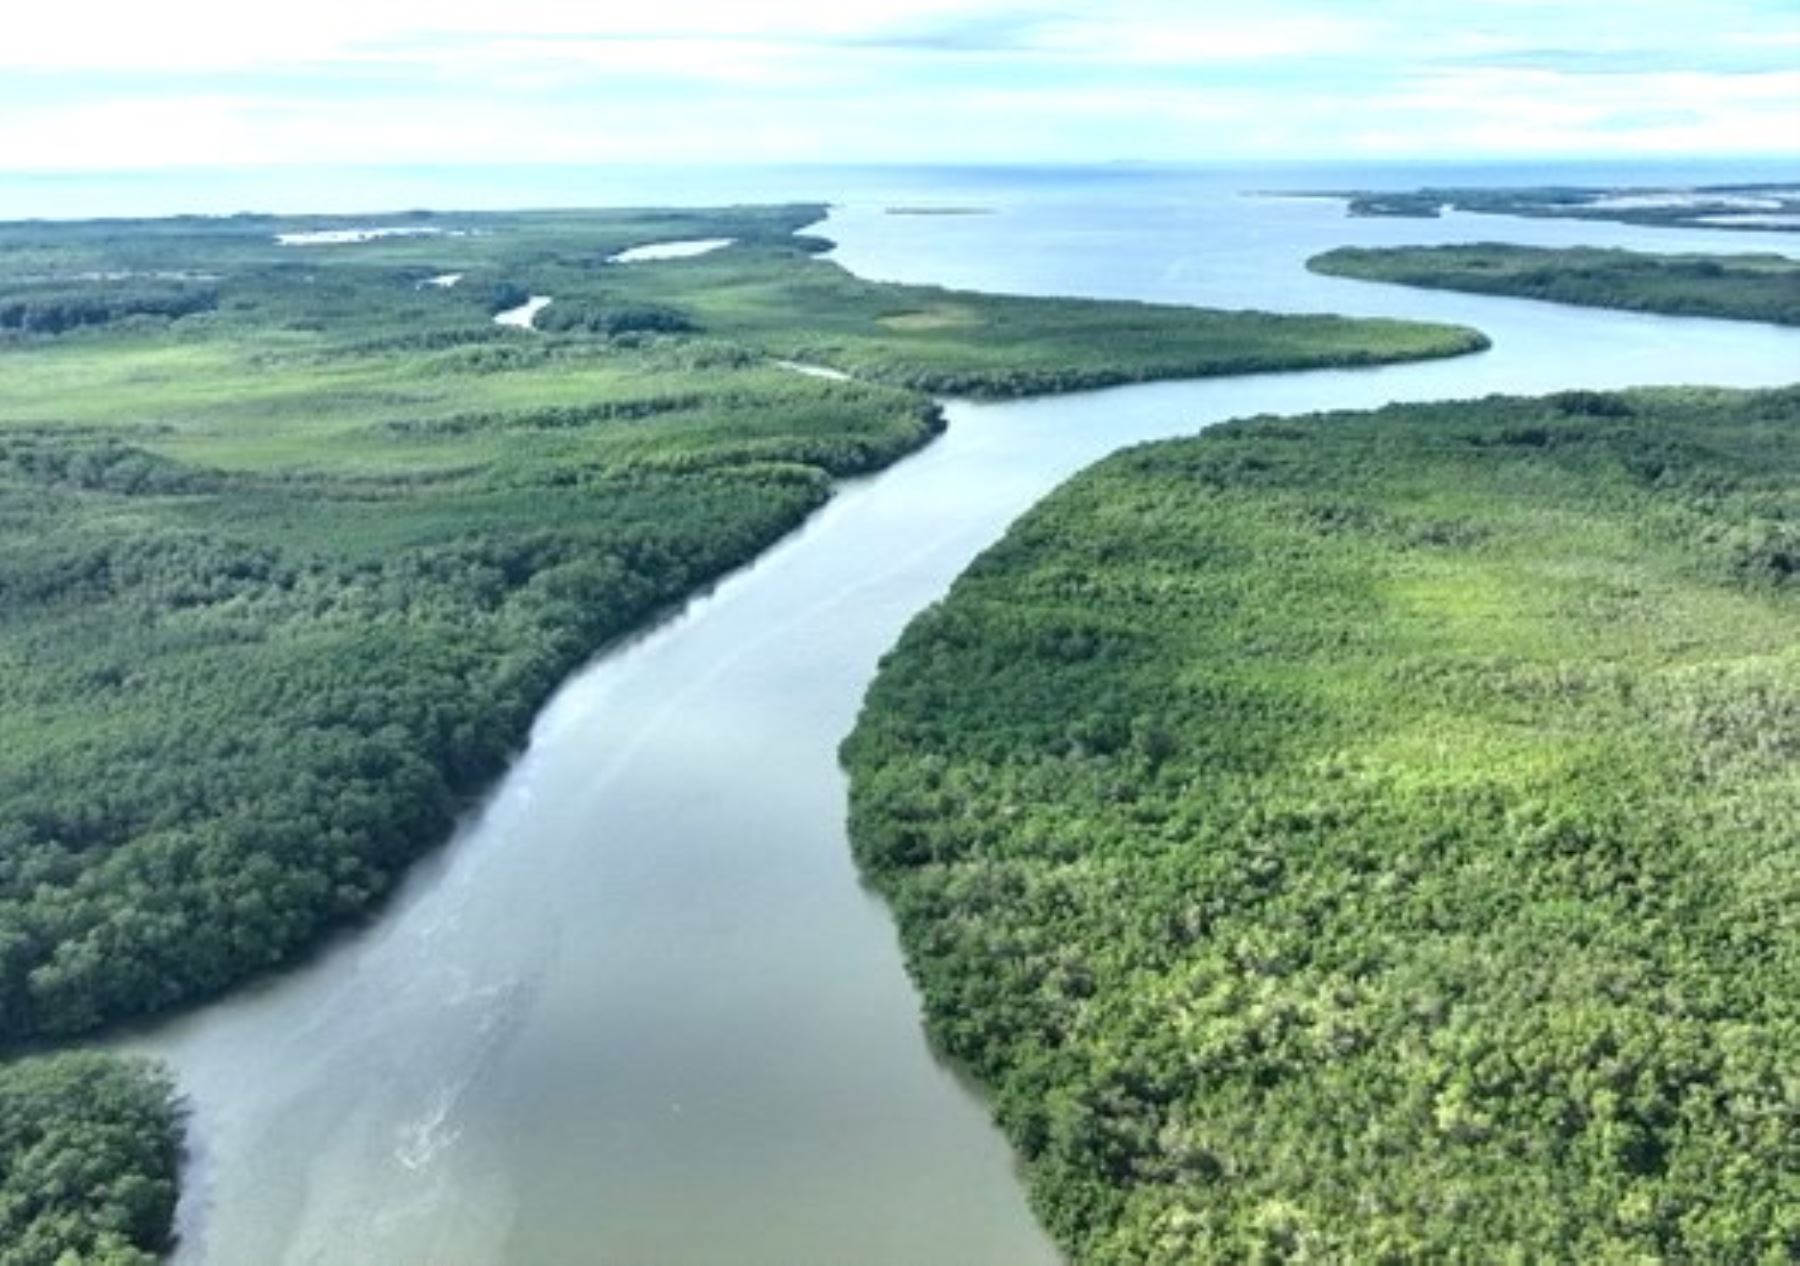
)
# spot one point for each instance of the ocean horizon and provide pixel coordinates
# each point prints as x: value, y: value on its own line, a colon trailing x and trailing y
x: 364, y: 189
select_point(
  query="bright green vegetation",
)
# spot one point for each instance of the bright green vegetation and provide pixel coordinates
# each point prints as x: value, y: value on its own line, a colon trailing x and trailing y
x: 88, y: 1151
x: 1372, y: 837
x: 1739, y: 287
x: 283, y: 584
x: 986, y: 346
x: 1751, y: 206
x: 293, y: 543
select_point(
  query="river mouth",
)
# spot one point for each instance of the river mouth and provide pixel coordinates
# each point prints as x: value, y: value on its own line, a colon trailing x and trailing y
x: 641, y: 1009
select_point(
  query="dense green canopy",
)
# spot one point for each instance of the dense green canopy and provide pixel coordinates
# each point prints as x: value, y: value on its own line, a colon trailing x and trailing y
x: 1372, y: 837
x: 88, y: 1149
x: 294, y: 540
x: 1736, y: 287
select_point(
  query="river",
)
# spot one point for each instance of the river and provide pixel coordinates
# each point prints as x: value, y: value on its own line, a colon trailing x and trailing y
x: 639, y: 1010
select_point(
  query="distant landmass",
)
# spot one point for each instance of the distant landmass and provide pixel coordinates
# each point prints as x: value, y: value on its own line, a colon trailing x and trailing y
x: 940, y: 211
x: 1764, y: 287
x: 1740, y: 206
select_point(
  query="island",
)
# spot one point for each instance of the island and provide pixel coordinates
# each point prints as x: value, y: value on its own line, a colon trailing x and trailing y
x: 1760, y: 206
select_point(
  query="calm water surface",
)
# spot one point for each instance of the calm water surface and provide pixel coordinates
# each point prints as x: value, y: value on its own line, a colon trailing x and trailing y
x: 639, y: 1011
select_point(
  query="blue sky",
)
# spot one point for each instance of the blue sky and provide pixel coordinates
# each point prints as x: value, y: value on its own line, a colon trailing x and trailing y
x: 123, y: 84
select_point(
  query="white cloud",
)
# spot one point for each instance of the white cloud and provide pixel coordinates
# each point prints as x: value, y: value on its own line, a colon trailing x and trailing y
x: 183, y: 35
x: 186, y: 35
x: 1190, y: 38
x: 1547, y: 112
x: 363, y: 81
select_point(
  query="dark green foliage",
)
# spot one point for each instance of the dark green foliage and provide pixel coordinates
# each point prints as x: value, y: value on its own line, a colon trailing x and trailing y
x: 1371, y: 838
x: 278, y: 595
x: 505, y: 295
x: 56, y: 307
x: 88, y: 1153
x: 291, y: 552
x: 601, y: 318
x: 1403, y: 206
x: 1740, y: 287
x: 234, y: 716
x: 282, y: 585
x: 1751, y: 207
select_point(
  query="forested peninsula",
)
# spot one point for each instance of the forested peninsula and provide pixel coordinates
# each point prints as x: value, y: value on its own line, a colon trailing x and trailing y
x: 297, y: 539
x: 1734, y: 287
x: 1754, y: 207
x: 1370, y: 837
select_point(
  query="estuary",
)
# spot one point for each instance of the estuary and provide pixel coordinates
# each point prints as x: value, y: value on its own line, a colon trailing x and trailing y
x: 640, y: 1009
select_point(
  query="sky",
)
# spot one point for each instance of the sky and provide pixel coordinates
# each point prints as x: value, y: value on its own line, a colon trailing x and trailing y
x: 111, y: 85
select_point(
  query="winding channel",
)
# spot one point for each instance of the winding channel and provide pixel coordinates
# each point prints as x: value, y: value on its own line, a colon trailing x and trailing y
x: 639, y: 1011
